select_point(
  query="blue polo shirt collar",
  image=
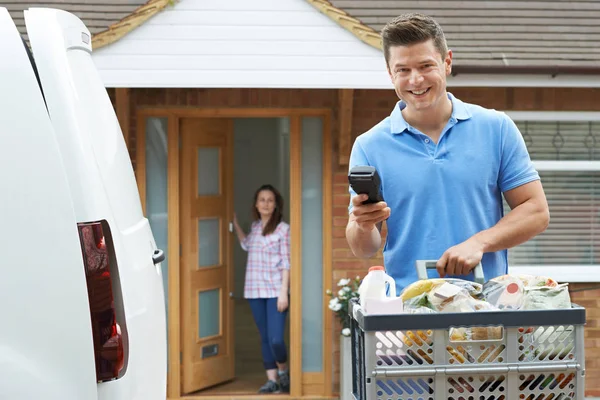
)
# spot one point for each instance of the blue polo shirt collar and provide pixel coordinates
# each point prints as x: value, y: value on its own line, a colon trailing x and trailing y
x: 399, y: 125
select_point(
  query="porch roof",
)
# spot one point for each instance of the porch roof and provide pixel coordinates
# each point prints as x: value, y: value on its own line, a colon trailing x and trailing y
x: 491, y: 36
x: 495, y: 43
x: 107, y: 20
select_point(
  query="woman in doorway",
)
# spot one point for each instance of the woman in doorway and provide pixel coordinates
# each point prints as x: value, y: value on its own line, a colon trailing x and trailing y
x: 267, y: 282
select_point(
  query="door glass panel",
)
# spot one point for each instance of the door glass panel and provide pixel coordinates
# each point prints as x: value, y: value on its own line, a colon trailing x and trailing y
x: 209, y: 313
x: 209, y: 246
x: 156, y: 188
x: 157, y: 193
x: 312, y: 244
x: 209, y: 171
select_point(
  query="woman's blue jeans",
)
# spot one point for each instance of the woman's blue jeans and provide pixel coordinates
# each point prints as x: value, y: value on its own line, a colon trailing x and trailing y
x: 271, y: 326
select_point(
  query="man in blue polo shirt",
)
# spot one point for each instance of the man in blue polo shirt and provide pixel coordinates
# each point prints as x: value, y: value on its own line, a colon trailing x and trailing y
x: 444, y: 166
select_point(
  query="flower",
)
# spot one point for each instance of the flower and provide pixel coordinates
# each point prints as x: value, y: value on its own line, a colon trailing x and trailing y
x: 333, y: 303
x: 343, y: 282
x: 340, y: 301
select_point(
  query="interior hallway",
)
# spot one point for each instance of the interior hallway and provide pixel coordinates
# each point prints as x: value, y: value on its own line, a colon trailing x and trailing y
x: 249, y: 371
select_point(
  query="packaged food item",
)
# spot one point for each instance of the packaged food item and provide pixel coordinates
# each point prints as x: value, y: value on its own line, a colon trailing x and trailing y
x: 528, y: 292
x: 418, y: 288
x: 419, y: 310
x: 535, y: 281
x: 374, y: 298
x: 486, y: 333
x: 427, y: 285
x: 443, y: 295
x: 476, y: 333
x: 547, y: 298
x: 374, y: 284
x: 417, y: 303
x: 460, y: 302
x: 505, y: 292
x: 459, y: 334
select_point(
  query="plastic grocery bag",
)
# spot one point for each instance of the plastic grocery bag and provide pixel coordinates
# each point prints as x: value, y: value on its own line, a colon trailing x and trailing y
x: 505, y: 292
x: 547, y: 298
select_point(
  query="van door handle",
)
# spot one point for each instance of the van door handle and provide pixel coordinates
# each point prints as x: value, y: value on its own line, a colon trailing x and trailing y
x: 158, y: 256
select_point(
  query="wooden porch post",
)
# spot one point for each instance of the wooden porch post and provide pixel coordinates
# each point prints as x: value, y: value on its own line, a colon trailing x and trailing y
x: 122, y: 107
x: 345, y: 106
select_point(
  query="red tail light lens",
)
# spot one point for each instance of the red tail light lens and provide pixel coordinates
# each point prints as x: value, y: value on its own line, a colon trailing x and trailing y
x: 98, y: 254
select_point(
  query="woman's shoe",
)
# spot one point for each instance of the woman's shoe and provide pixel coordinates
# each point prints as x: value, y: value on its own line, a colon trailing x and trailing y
x: 270, y: 387
x: 284, y: 381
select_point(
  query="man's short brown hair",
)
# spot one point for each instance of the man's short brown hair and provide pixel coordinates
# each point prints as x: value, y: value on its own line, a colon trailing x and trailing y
x: 413, y: 28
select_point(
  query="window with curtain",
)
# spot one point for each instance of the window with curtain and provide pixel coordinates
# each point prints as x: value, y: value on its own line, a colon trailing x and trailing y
x: 566, y: 154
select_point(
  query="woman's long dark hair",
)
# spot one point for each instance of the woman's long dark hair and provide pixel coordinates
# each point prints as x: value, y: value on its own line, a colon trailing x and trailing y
x: 277, y: 215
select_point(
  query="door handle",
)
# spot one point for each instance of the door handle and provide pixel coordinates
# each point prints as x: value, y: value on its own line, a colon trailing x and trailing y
x: 231, y: 227
x: 158, y: 256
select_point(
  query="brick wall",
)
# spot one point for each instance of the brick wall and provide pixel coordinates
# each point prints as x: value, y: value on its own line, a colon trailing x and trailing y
x: 370, y: 106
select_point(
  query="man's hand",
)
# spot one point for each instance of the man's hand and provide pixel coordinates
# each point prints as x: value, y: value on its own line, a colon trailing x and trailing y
x: 460, y: 259
x: 367, y: 216
x: 364, y: 225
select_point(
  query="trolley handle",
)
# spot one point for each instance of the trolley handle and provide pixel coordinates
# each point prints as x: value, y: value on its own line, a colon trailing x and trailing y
x: 424, y: 265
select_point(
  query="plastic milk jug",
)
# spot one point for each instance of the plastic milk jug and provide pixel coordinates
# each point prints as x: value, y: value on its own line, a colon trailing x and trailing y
x: 372, y: 292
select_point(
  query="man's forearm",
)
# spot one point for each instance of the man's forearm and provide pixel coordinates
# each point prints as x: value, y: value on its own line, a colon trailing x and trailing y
x: 518, y: 226
x: 363, y: 244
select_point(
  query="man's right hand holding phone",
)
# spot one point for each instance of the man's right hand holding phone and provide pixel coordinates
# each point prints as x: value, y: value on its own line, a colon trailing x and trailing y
x: 364, y: 225
x: 368, y: 216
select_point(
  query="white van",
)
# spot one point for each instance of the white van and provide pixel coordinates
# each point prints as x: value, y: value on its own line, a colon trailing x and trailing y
x: 82, y: 312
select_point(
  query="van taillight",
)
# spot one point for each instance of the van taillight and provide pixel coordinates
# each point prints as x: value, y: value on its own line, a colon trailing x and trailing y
x: 98, y: 255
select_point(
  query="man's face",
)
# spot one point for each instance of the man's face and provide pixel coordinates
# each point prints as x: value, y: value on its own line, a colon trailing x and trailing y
x: 419, y: 73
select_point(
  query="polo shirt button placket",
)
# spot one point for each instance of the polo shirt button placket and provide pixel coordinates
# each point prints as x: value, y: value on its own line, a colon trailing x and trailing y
x: 428, y: 145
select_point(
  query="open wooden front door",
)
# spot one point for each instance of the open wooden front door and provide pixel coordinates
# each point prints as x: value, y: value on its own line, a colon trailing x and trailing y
x: 206, y: 270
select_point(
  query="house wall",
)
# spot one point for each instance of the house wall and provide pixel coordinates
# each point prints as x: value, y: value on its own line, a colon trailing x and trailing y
x: 370, y: 106
x: 214, y: 43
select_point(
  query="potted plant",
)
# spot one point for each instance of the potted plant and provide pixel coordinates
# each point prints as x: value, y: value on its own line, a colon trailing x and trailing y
x: 347, y: 289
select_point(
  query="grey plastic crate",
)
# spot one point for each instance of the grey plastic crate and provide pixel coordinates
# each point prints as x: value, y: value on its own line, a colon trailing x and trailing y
x: 534, y: 355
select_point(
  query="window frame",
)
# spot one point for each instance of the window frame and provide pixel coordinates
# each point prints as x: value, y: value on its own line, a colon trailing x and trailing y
x: 562, y: 273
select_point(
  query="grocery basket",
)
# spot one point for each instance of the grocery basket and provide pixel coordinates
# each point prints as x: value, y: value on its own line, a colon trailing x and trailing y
x: 537, y: 355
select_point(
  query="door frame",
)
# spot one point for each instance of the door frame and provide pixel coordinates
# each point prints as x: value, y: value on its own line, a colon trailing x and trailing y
x: 304, y: 383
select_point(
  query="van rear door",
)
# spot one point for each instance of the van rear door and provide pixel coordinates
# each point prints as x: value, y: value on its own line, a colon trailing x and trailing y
x: 46, y: 349
x: 100, y: 172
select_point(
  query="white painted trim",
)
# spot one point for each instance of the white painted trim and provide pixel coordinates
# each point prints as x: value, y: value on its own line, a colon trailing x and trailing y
x: 524, y: 80
x: 561, y: 273
x: 584, y: 116
x: 373, y: 79
x: 567, y: 165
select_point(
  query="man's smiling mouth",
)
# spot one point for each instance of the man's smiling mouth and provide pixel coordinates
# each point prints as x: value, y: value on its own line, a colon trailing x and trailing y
x: 419, y: 92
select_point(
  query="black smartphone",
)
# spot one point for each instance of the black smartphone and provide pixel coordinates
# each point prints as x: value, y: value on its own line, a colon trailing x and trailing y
x: 365, y: 180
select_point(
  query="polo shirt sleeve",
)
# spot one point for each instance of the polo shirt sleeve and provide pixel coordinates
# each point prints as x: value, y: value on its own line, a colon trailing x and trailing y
x: 516, y: 167
x: 357, y: 157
